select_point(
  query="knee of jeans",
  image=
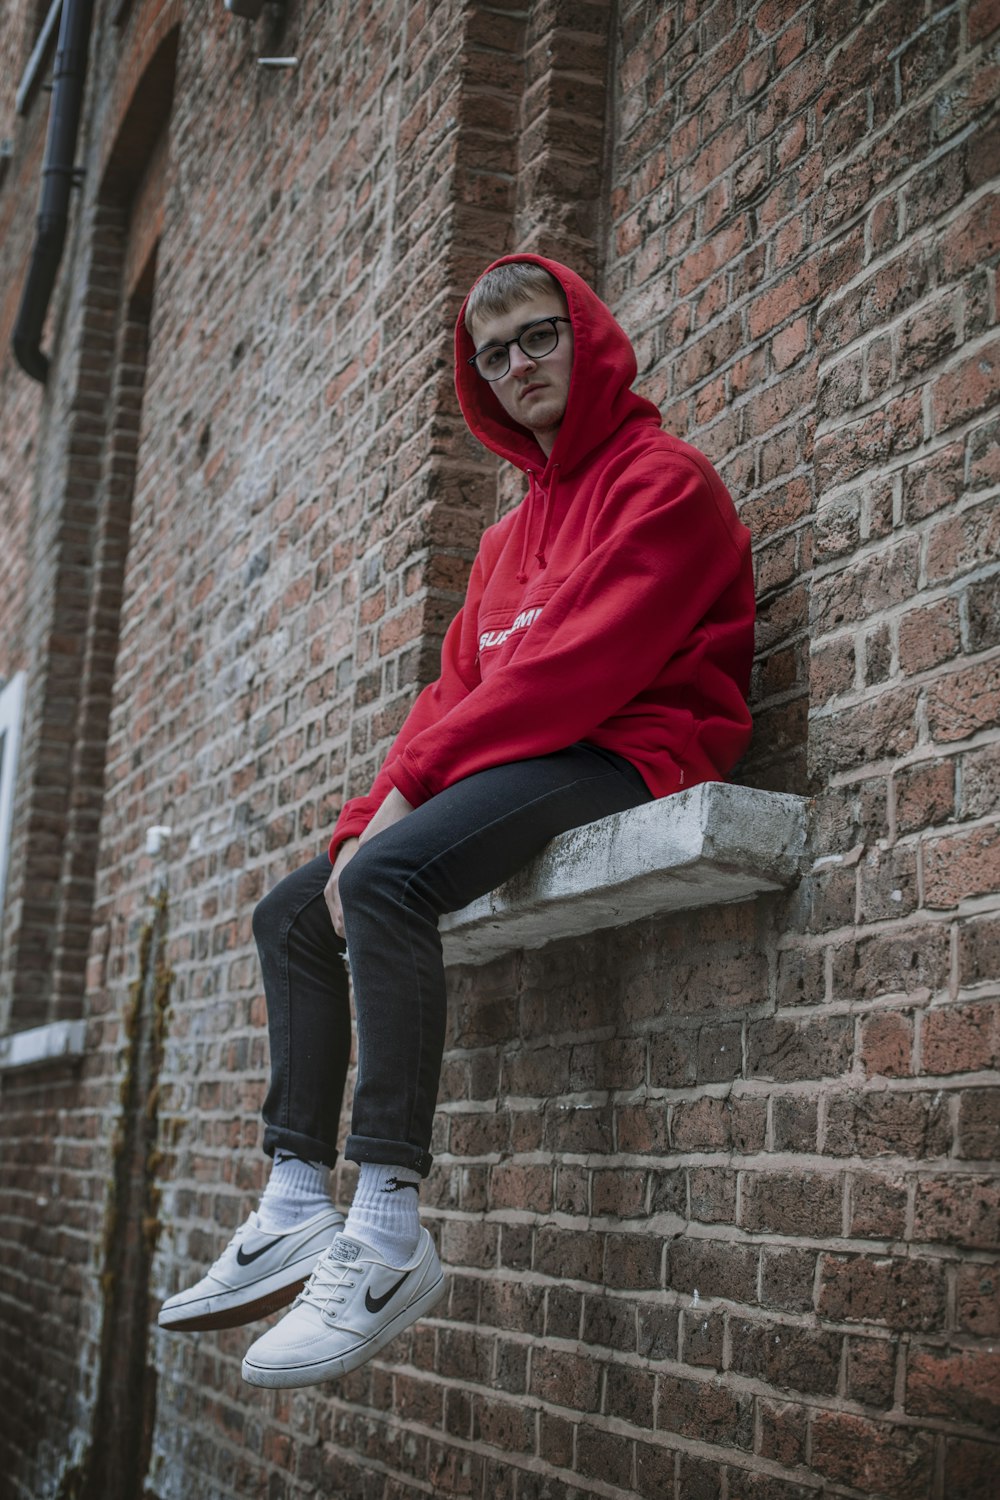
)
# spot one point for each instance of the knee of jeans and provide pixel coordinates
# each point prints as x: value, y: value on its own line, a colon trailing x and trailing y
x: 368, y: 873
x: 266, y: 916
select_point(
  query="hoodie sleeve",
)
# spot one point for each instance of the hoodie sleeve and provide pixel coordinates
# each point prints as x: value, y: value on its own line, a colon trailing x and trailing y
x: 666, y: 546
x: 459, y: 675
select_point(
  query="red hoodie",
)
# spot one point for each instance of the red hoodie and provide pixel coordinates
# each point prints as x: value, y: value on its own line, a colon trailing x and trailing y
x: 615, y: 604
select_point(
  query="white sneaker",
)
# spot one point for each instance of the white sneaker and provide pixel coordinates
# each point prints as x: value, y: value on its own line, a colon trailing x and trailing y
x: 259, y: 1271
x: 350, y: 1308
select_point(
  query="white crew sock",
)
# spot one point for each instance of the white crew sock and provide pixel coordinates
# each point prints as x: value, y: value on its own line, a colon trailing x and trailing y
x: 295, y: 1190
x: 385, y: 1214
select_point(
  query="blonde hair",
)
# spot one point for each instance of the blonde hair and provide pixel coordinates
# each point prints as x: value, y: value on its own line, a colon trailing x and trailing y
x: 505, y: 286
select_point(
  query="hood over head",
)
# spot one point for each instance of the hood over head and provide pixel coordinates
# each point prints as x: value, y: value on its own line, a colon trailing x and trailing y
x: 600, y: 394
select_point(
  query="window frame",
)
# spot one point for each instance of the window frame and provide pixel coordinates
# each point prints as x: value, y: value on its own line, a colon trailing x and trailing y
x: 12, y: 700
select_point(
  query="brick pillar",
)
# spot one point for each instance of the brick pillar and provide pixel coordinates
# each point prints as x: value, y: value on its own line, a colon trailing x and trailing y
x: 54, y: 844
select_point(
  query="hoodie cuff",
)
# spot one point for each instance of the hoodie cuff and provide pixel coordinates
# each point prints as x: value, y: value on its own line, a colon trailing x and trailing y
x: 347, y: 828
x: 404, y: 780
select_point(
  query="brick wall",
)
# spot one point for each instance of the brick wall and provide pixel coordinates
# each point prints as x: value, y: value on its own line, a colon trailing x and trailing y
x: 21, y: 400
x: 718, y: 1193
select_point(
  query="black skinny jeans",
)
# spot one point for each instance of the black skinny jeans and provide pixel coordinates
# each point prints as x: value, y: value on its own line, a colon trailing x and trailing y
x: 457, y: 846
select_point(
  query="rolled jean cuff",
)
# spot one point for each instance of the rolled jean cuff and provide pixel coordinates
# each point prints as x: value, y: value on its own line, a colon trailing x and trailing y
x: 306, y: 1146
x: 362, y: 1148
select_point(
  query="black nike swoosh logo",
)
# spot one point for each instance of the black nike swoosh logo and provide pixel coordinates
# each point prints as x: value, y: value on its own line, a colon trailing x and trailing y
x: 376, y: 1304
x: 247, y: 1260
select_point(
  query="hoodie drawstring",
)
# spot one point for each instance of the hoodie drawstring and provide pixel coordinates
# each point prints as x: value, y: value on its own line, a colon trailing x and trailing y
x: 536, y: 496
x: 548, y: 506
x: 522, y: 567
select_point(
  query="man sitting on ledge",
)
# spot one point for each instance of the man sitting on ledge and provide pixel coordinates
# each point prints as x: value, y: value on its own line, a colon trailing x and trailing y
x: 601, y: 659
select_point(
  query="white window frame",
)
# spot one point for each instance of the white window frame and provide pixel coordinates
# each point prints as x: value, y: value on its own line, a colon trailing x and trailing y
x: 12, y: 697
x: 58, y: 1040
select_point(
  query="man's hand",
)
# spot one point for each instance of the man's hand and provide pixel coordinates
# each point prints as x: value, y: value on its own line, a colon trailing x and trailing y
x: 331, y: 893
x: 393, y: 808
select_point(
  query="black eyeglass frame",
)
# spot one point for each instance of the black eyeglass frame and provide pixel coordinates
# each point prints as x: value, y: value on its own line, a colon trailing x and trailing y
x: 500, y: 344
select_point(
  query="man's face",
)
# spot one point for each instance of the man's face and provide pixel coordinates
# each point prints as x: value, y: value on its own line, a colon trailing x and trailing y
x: 534, y: 391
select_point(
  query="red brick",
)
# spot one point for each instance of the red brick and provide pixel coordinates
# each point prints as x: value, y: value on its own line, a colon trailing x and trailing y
x: 633, y: 1260
x: 956, y: 1210
x: 794, y: 1123
x: 978, y: 1299
x: 962, y: 1385
x: 864, y: 587
x: 701, y: 1124
x: 876, y: 1458
x: 504, y: 1425
x: 619, y: 1192
x: 800, y: 1359
x: 960, y: 866
x: 515, y: 1247
x: 720, y: 1053
x: 881, y: 728
x: 515, y: 1186
x: 629, y: 1395
x: 886, y: 1044
x: 568, y: 1253
x: 805, y: 1203
x: 774, y: 307
x: 604, y: 1455
x: 871, y: 1371
x: 978, y: 949
x: 703, y: 1335
x: 980, y: 781
x: 982, y: 455
x: 891, y: 1293
x: 929, y: 334
x: 931, y: 483
x: 673, y: 1058
x: 565, y: 1379
x: 883, y: 1122
x: 962, y: 542
x: 610, y: 1322
x: 655, y: 1464
x: 837, y: 528
x: 712, y: 1194
x: 706, y: 1410
x: 961, y: 1038
x: 536, y: 1072
x: 782, y: 1432
x: 606, y: 1065
x: 983, y: 610
x: 832, y: 669
x: 748, y: 1123
x: 642, y: 1128
x: 878, y: 1207
x: 924, y: 795
x: 966, y: 390
x: 970, y: 1469
x: 979, y: 1125
x: 870, y: 441
x: 713, y: 1269
x: 788, y: 1278
x: 928, y: 636
x: 971, y: 238
x: 892, y: 963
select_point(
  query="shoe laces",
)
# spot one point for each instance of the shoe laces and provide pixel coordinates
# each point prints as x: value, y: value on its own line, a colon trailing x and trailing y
x: 236, y: 1240
x: 329, y: 1282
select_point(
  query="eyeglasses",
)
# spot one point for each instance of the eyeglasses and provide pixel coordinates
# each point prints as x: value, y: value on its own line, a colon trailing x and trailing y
x: 537, y: 340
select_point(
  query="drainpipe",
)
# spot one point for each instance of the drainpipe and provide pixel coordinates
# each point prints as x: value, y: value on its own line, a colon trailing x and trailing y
x: 59, y: 175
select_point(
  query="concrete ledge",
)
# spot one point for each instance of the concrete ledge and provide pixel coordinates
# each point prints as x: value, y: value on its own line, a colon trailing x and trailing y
x: 715, y: 843
x: 59, y: 1041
